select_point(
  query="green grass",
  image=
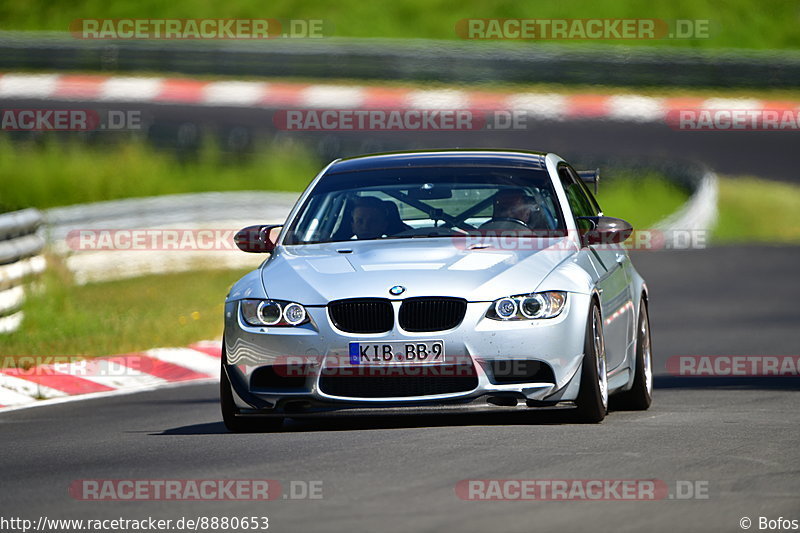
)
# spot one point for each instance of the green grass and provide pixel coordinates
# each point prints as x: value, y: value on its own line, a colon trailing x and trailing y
x: 116, y: 317
x: 56, y: 174
x: 735, y: 23
x: 756, y: 210
x: 641, y: 199
x: 751, y: 210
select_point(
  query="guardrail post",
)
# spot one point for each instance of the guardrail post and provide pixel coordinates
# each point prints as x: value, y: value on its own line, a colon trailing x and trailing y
x: 20, y: 259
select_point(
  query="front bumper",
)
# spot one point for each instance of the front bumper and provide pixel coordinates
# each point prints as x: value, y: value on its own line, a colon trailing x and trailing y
x: 483, y: 344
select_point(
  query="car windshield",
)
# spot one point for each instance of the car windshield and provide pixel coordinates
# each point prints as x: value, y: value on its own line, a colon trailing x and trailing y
x: 427, y: 202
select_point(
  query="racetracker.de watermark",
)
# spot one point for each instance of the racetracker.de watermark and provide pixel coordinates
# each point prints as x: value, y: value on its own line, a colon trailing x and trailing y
x: 70, y: 120
x: 734, y: 119
x: 379, y: 120
x: 556, y: 240
x: 174, y: 489
x: 593, y: 29
x: 734, y: 365
x: 194, y: 490
x: 419, y: 119
x: 552, y: 490
x: 33, y: 366
x: 152, y: 239
x: 378, y: 360
x: 200, y: 29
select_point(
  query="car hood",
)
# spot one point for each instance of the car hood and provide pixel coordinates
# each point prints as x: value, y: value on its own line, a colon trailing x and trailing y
x: 314, y: 274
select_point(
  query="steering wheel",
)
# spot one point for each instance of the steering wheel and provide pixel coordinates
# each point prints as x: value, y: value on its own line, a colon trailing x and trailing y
x: 507, y: 219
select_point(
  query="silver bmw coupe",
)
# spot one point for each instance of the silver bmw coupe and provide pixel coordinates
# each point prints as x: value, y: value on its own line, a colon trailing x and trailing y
x: 427, y: 281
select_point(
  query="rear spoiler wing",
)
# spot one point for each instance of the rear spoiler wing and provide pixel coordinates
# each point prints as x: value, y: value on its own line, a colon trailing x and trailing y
x: 590, y: 177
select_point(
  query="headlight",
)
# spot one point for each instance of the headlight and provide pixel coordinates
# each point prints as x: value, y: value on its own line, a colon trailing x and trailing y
x: 294, y: 314
x: 528, y: 306
x: 273, y: 313
x: 505, y: 308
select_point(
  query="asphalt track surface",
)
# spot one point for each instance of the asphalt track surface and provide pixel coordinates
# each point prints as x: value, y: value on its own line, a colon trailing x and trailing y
x: 399, y: 473
x: 768, y: 154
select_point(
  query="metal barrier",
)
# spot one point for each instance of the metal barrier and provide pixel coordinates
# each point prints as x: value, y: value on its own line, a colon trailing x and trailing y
x: 416, y: 60
x: 20, y: 259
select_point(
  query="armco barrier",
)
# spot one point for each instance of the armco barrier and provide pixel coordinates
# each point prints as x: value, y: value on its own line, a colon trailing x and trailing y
x: 20, y: 259
x: 414, y: 60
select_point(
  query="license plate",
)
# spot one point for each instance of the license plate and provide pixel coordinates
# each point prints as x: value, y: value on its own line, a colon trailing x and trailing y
x: 396, y: 352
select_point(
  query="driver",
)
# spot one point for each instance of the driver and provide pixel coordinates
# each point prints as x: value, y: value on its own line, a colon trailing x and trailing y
x: 370, y: 219
x: 512, y: 203
x: 513, y: 209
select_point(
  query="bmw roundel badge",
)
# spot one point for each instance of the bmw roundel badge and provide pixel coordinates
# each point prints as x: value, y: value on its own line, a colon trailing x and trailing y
x: 397, y: 290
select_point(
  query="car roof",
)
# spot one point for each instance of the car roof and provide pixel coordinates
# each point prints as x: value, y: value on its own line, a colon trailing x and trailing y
x: 441, y: 158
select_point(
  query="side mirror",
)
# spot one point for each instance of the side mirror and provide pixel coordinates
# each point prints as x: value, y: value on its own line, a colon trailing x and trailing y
x: 606, y: 230
x: 256, y: 239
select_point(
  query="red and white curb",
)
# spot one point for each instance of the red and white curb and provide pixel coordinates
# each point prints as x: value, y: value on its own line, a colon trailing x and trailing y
x: 103, y: 376
x: 553, y: 106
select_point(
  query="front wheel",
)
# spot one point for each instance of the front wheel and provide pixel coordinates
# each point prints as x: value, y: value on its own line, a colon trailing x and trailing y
x: 640, y: 396
x: 592, y: 399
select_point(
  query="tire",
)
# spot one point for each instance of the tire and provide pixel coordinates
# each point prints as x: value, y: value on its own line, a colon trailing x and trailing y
x: 640, y: 396
x: 592, y: 402
x: 237, y: 424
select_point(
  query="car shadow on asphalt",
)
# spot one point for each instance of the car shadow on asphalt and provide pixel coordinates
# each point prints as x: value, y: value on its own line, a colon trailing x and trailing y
x: 369, y: 422
x: 209, y: 428
x: 531, y: 417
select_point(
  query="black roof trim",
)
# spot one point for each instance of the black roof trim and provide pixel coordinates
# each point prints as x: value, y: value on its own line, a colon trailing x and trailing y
x: 441, y: 158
